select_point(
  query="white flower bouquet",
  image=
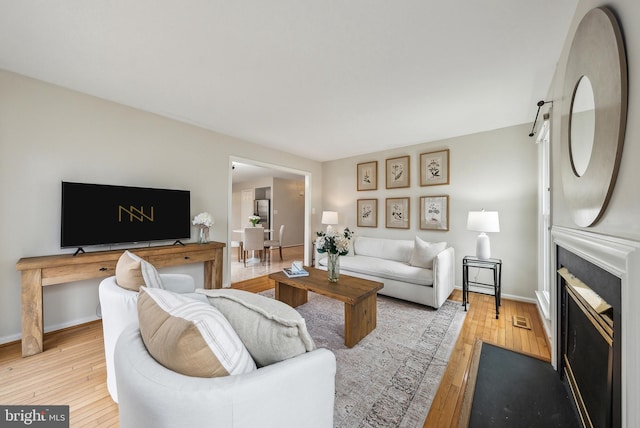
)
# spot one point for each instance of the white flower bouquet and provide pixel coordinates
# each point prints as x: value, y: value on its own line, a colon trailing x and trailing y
x: 333, y: 242
x: 254, y: 219
x: 203, y: 220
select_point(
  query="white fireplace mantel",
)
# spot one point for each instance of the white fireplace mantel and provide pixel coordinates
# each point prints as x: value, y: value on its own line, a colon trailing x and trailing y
x: 620, y: 257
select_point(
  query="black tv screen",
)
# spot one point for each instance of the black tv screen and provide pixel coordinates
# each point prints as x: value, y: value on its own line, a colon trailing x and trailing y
x: 98, y: 214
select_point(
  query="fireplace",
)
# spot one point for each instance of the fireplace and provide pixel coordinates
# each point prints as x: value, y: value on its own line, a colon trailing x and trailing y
x: 603, y: 256
x: 589, y: 349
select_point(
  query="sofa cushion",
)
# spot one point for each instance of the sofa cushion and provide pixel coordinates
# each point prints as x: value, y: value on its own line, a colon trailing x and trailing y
x: 190, y: 337
x: 128, y: 272
x: 132, y: 272
x: 384, y: 269
x: 271, y: 330
x: 424, y: 253
x: 351, y: 252
x: 391, y: 249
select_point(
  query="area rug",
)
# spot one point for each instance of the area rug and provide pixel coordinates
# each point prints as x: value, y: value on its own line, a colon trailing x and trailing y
x: 390, y: 377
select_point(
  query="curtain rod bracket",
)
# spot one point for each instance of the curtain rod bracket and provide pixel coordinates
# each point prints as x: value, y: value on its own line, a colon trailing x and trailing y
x: 539, y: 104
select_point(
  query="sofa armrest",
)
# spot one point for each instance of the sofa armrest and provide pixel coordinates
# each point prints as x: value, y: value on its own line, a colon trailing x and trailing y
x: 178, y: 282
x: 295, y: 392
x: 317, y: 257
x: 443, y: 275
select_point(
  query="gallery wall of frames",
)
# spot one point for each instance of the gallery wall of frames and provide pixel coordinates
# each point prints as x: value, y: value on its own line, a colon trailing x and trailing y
x: 433, y: 168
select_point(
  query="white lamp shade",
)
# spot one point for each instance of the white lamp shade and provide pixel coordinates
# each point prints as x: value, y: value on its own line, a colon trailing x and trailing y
x: 483, y: 221
x: 329, y: 217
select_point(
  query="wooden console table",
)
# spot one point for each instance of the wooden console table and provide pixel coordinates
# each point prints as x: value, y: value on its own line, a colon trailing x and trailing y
x: 38, y: 272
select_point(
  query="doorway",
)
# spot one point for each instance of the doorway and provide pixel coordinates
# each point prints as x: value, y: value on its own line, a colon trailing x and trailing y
x: 285, y: 191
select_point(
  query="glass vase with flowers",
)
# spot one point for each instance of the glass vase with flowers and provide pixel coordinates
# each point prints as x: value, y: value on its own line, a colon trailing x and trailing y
x: 254, y: 219
x: 335, y: 244
x: 203, y: 221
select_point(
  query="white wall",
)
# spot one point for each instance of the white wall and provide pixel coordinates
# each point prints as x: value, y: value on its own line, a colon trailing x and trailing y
x: 623, y: 213
x: 621, y: 218
x: 288, y: 209
x: 49, y: 134
x: 242, y: 208
x: 494, y: 170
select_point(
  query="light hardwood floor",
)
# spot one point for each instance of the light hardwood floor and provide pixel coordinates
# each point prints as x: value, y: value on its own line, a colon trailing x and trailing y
x: 72, y: 368
x: 480, y: 323
x: 254, y: 269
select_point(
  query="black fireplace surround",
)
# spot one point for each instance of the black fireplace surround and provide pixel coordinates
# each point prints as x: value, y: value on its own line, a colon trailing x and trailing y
x: 584, y: 352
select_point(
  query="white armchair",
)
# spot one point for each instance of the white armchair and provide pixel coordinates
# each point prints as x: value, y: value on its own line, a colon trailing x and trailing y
x: 119, y: 309
x: 296, y: 392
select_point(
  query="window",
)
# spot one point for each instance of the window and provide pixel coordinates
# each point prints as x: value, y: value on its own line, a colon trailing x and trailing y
x: 544, y: 217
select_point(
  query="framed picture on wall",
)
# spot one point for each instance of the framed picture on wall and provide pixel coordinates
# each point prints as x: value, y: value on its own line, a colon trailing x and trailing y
x: 367, y: 175
x: 397, y: 172
x: 367, y: 213
x: 434, y: 168
x: 397, y: 213
x: 434, y: 212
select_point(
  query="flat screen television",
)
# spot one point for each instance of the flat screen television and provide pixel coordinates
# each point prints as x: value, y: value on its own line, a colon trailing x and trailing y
x: 99, y: 214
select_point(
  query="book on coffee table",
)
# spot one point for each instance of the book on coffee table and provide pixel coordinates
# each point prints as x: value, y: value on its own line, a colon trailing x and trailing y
x: 296, y: 270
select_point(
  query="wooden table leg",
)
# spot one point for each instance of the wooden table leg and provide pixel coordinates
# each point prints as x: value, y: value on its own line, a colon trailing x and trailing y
x: 213, y: 270
x: 292, y: 296
x: 32, y: 316
x: 359, y: 320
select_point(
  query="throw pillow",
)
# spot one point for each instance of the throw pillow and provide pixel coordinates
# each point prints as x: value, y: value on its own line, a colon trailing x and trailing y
x: 150, y: 275
x: 128, y: 272
x: 132, y: 272
x: 271, y: 330
x: 424, y: 253
x: 190, y: 337
x: 352, y: 251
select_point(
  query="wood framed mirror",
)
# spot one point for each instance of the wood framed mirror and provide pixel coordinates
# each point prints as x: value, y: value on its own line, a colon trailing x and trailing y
x: 594, y: 115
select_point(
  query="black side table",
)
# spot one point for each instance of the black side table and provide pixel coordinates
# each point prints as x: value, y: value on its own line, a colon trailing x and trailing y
x: 493, y: 264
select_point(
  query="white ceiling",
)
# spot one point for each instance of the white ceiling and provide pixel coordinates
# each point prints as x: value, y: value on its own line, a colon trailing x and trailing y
x: 324, y: 79
x: 244, y: 173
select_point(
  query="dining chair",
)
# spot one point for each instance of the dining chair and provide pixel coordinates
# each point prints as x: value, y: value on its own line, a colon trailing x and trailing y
x: 275, y: 243
x: 253, y: 241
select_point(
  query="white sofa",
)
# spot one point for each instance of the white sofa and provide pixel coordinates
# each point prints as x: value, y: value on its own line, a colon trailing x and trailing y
x: 387, y: 261
x: 119, y: 310
x: 296, y: 392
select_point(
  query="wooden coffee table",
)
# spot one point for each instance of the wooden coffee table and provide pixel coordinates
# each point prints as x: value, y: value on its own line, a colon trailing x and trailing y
x: 359, y: 297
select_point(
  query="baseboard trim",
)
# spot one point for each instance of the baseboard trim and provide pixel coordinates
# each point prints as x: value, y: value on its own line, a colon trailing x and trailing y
x: 12, y: 338
x: 545, y: 318
x: 503, y: 295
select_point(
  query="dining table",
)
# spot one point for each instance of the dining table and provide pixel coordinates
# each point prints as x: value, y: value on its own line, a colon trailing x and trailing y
x: 253, y: 258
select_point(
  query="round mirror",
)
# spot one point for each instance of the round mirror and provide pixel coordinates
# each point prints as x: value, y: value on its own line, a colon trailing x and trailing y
x: 592, y: 139
x: 583, y: 125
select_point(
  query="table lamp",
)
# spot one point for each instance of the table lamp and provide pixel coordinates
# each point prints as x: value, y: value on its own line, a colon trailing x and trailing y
x: 483, y: 222
x: 329, y: 218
